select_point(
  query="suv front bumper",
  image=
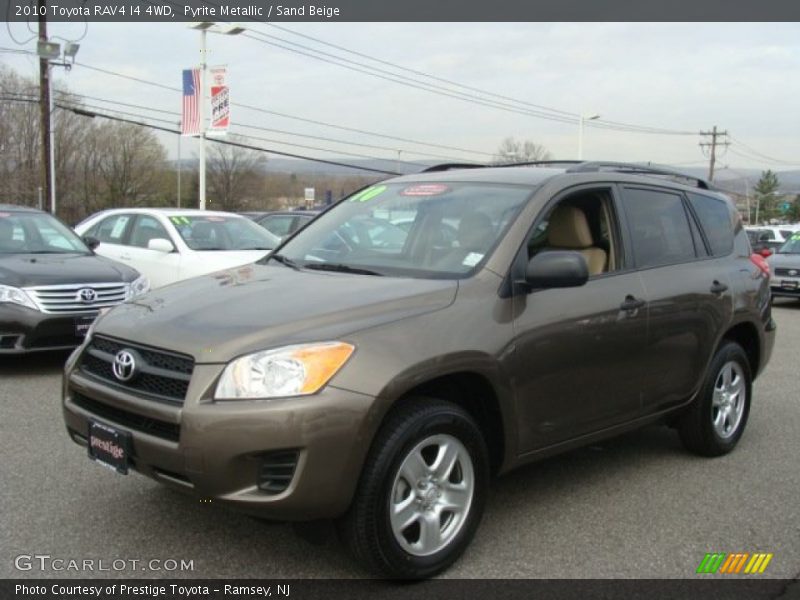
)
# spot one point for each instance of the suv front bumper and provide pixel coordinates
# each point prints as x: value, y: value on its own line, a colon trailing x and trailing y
x: 221, y: 450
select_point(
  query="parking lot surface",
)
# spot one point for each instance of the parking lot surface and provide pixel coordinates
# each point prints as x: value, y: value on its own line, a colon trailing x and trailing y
x: 636, y: 506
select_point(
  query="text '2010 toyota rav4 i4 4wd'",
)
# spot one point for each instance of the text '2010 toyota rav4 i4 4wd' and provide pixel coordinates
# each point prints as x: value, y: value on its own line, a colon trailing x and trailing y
x: 380, y: 374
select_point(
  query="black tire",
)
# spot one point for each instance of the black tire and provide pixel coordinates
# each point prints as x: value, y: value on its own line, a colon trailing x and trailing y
x: 367, y: 529
x: 697, y: 425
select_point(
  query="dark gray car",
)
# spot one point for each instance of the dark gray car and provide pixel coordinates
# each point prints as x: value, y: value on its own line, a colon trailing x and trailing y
x: 382, y: 384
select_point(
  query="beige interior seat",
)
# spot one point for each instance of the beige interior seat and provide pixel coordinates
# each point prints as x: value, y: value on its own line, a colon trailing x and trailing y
x: 568, y: 229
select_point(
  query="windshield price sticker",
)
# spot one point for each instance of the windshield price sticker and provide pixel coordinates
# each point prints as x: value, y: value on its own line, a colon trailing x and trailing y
x: 368, y: 194
x: 425, y: 189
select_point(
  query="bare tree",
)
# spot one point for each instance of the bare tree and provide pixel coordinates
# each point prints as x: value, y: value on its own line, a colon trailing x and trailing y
x: 512, y: 151
x: 130, y: 163
x: 19, y: 139
x: 234, y: 175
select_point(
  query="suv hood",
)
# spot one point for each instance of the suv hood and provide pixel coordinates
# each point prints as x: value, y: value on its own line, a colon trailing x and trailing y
x: 220, y: 316
x: 27, y: 270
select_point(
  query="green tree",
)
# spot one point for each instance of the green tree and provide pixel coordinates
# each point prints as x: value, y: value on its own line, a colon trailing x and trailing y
x: 793, y: 214
x: 767, y: 197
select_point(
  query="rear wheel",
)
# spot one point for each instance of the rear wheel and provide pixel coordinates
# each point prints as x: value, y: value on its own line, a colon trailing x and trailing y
x: 422, y: 492
x: 716, y: 420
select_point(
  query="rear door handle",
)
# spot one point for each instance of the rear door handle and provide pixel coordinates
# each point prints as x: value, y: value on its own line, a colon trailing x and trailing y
x: 631, y: 303
x: 718, y: 288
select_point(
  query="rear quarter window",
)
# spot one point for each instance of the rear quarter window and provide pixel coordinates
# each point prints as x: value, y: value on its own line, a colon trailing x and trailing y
x: 717, y: 220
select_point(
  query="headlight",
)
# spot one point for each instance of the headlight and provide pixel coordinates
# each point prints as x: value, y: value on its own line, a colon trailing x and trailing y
x: 16, y: 296
x: 289, y: 371
x: 138, y: 288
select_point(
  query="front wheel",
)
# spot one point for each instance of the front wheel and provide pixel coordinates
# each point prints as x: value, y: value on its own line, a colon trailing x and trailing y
x: 716, y: 420
x: 422, y: 491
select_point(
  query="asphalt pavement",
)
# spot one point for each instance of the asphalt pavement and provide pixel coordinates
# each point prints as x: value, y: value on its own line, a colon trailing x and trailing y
x: 638, y: 506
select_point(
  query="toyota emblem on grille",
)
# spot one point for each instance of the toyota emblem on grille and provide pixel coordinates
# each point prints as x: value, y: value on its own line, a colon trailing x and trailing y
x: 124, y: 365
x: 87, y: 295
x: 793, y: 272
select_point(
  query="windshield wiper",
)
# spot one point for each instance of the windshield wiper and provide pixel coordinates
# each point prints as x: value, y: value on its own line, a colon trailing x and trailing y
x: 341, y: 268
x: 284, y: 260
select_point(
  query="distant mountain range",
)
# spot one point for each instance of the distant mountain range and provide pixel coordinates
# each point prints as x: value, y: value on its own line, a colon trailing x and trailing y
x: 738, y: 181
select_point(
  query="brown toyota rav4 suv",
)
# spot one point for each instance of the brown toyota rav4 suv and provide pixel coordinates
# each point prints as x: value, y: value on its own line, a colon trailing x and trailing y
x: 380, y: 374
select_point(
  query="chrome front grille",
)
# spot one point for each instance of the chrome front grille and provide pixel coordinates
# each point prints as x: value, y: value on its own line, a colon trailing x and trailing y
x: 78, y: 298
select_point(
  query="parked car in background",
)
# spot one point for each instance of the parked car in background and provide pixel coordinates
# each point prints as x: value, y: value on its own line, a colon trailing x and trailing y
x: 168, y: 245
x: 381, y: 377
x: 765, y: 241
x: 283, y: 223
x: 785, y: 266
x: 51, y: 283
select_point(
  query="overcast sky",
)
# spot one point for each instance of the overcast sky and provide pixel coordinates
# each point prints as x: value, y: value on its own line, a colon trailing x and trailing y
x: 687, y: 77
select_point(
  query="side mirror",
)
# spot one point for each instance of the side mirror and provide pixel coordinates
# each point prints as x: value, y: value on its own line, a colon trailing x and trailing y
x: 766, y: 252
x: 161, y: 245
x: 556, y: 269
x: 90, y: 241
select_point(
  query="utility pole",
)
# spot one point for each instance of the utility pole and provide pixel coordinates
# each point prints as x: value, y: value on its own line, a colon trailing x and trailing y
x: 45, y: 106
x: 713, y: 148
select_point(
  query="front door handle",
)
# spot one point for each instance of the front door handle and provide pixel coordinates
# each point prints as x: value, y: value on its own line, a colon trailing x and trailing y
x: 631, y: 303
x: 718, y: 288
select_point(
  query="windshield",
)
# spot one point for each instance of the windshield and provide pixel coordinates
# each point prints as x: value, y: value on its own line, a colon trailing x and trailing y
x: 430, y: 230
x: 37, y: 233
x: 220, y: 232
x: 792, y: 245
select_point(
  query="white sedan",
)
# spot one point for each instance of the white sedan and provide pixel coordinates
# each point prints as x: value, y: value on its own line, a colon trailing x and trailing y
x: 167, y: 245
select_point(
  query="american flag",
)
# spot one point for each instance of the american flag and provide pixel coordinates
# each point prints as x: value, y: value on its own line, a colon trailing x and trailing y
x: 190, y: 121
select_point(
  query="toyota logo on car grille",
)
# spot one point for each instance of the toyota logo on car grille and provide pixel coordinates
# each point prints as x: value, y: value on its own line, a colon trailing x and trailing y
x: 87, y: 295
x: 124, y: 365
x: 793, y: 272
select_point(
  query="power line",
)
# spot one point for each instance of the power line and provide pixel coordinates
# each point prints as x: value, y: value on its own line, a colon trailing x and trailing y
x: 555, y: 114
x: 272, y: 130
x: 81, y: 111
x: 761, y: 160
x: 285, y: 115
x: 757, y: 153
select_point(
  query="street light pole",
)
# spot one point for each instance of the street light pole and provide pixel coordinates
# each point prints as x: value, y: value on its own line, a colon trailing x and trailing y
x: 202, y: 119
x: 179, y: 163
x: 204, y: 27
x: 581, y: 121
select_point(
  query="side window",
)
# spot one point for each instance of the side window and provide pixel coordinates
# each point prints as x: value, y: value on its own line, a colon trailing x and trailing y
x: 280, y: 225
x: 584, y: 222
x: 659, y: 227
x: 111, y: 230
x: 716, y: 219
x: 147, y: 228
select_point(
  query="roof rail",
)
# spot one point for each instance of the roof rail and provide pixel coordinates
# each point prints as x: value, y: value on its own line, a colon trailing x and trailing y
x: 634, y: 169
x: 451, y: 166
x: 540, y: 163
